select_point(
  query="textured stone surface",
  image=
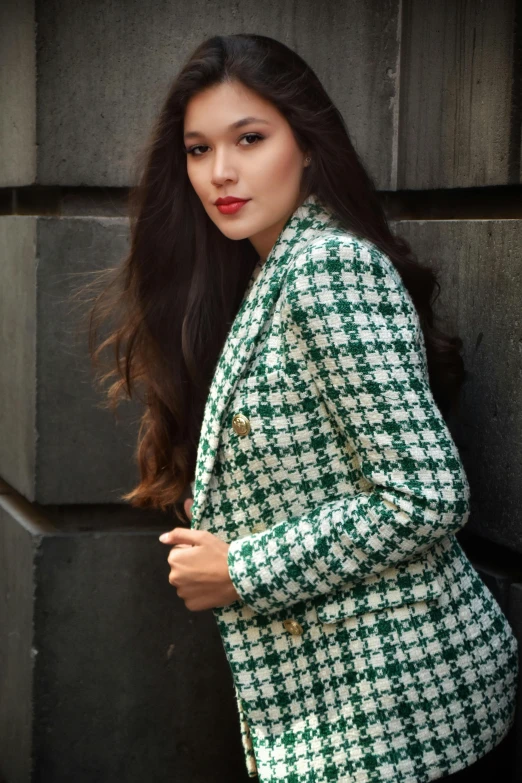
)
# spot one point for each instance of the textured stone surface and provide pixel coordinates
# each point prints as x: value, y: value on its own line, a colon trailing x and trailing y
x: 18, y: 350
x: 456, y: 83
x: 104, y: 71
x: 426, y: 92
x: 105, y: 675
x: 58, y: 445
x: 17, y: 550
x: 481, y: 291
x: 17, y: 93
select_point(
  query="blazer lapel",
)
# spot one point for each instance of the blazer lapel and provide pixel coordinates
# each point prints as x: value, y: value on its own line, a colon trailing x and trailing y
x: 261, y: 295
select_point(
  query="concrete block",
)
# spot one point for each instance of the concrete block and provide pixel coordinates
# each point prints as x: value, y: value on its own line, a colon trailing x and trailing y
x: 450, y: 65
x: 105, y: 674
x: 17, y: 93
x: 456, y: 86
x: 481, y: 291
x: 58, y: 445
x: 354, y: 48
x: 102, y: 76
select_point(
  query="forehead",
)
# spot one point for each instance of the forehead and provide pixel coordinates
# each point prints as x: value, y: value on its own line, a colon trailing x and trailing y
x: 216, y: 107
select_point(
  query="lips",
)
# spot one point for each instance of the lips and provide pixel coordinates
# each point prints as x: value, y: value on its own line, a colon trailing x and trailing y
x: 229, y: 200
x: 230, y: 205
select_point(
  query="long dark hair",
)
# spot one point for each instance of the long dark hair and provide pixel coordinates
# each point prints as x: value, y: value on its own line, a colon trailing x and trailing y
x: 173, y: 299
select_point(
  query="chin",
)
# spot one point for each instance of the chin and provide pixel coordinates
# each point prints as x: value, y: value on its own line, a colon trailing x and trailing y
x: 236, y: 232
x: 237, y: 235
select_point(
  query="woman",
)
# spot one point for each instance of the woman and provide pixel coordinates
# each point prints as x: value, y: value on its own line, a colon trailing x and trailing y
x: 293, y: 376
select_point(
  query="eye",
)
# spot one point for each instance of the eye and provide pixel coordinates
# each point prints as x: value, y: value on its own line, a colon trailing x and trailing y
x: 192, y: 150
x: 256, y: 136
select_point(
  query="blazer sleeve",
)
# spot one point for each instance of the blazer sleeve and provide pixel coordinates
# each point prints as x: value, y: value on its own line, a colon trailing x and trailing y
x: 352, y: 329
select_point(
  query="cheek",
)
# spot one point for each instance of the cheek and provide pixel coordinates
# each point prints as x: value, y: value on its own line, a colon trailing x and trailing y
x: 193, y: 178
x: 282, y: 165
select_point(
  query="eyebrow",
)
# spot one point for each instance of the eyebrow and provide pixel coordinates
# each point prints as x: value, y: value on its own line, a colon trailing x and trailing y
x: 233, y: 126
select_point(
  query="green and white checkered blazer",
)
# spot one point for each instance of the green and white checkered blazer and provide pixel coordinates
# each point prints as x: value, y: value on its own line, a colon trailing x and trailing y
x: 365, y: 647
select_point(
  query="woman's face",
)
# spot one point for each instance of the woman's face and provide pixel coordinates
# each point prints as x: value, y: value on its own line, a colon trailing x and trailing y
x: 259, y: 161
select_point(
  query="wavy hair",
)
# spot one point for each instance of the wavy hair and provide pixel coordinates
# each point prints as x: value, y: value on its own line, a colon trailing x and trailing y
x: 171, y: 302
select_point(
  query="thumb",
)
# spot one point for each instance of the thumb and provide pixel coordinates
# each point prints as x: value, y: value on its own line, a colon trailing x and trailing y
x: 182, y: 535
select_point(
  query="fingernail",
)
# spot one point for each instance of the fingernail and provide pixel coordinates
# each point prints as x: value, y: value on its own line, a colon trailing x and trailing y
x: 164, y: 537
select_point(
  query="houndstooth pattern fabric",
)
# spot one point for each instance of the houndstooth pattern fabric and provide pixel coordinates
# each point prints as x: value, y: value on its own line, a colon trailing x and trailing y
x: 341, y: 505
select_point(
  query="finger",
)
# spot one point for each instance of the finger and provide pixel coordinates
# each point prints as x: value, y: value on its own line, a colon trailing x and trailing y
x: 183, y: 535
x: 171, y: 557
x: 172, y: 553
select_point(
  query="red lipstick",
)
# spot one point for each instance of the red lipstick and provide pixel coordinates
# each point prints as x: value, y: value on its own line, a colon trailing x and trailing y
x: 230, y: 204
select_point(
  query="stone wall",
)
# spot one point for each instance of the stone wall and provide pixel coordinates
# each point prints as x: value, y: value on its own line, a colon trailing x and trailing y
x: 105, y: 676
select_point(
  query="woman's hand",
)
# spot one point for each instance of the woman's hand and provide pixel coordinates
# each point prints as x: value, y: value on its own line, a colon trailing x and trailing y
x: 198, y: 567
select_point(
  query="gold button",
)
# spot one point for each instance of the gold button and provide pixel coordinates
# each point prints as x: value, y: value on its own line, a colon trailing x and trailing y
x: 293, y: 627
x: 241, y: 424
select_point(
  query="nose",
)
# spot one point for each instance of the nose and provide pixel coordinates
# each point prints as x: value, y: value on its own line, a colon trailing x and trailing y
x: 222, y: 169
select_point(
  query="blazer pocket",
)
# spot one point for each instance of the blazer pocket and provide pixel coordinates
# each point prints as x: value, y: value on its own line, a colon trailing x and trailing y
x: 407, y: 582
x: 260, y: 397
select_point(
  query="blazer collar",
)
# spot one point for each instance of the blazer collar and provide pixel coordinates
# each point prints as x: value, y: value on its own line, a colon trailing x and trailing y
x: 310, y: 220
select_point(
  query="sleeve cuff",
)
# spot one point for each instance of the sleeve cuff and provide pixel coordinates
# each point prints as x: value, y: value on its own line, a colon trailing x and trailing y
x: 241, y: 567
